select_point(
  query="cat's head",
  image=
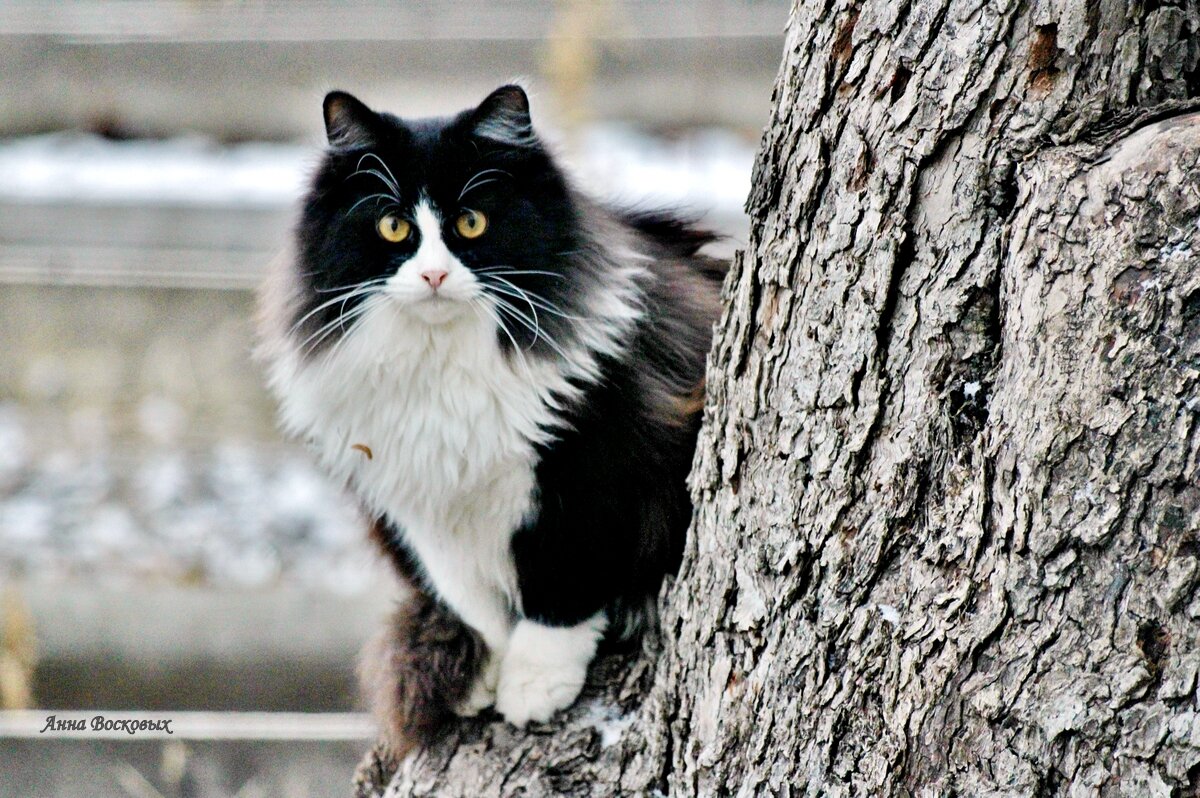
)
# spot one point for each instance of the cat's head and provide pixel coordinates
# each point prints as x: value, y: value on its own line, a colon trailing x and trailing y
x: 438, y: 219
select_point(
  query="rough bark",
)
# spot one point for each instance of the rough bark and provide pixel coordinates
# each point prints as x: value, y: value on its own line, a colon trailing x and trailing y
x: 947, y: 534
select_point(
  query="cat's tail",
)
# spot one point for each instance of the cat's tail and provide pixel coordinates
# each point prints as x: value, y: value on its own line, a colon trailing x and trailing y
x: 417, y: 669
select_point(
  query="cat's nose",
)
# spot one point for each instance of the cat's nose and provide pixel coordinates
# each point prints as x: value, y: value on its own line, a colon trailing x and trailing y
x: 434, y: 277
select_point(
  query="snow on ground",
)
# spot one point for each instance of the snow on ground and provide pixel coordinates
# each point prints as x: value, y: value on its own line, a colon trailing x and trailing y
x: 708, y: 170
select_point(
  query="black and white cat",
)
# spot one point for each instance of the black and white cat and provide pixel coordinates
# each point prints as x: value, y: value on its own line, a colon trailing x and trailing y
x: 509, y: 377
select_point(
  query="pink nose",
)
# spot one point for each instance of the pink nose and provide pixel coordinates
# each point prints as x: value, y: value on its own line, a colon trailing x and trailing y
x: 434, y: 278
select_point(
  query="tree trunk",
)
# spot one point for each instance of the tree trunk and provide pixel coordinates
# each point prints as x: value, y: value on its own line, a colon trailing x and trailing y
x: 947, y: 534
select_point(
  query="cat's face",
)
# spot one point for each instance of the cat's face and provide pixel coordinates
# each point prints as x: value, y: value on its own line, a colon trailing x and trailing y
x: 437, y: 219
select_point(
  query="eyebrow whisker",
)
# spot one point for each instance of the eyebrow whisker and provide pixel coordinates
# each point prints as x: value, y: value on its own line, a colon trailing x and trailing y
x: 392, y: 187
x: 371, y: 197
x: 471, y: 184
x: 395, y: 185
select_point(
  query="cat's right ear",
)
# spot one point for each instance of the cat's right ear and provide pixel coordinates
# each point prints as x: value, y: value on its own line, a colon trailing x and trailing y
x: 349, y: 124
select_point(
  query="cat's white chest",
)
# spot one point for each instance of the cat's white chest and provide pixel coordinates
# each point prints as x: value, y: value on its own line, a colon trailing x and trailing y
x: 433, y: 428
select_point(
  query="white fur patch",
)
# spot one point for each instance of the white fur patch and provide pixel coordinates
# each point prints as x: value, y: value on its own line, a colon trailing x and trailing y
x: 544, y: 668
x: 421, y: 382
x: 451, y: 430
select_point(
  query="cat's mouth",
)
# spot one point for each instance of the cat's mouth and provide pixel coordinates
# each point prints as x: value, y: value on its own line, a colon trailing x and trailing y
x: 436, y: 308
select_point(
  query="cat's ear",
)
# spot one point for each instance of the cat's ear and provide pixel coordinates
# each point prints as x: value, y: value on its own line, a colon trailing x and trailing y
x: 348, y: 123
x: 504, y: 117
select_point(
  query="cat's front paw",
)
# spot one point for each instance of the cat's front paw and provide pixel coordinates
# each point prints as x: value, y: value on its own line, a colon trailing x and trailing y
x: 544, y: 669
x: 483, y: 690
x: 532, y: 690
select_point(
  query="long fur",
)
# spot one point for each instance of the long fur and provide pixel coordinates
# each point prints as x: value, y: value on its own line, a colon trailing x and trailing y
x: 417, y: 669
x: 523, y: 429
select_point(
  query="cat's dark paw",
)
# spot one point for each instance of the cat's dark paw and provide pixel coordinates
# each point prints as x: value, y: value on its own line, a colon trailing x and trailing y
x: 483, y: 690
x: 418, y: 670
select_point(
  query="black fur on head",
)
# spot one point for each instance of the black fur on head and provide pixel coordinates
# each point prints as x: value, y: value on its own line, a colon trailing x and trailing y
x: 486, y: 159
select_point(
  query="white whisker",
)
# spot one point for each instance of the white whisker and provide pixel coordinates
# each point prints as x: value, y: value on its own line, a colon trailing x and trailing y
x: 395, y: 185
x: 351, y: 285
x: 327, y: 330
x: 368, y: 304
x: 532, y: 298
x: 471, y: 184
x: 510, y: 271
x: 477, y: 185
x: 537, y: 327
x: 376, y: 173
x: 499, y: 322
x: 507, y: 307
x: 371, y: 197
x: 361, y: 288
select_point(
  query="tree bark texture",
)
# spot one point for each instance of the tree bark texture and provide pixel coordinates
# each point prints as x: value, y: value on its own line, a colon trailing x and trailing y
x: 947, y: 536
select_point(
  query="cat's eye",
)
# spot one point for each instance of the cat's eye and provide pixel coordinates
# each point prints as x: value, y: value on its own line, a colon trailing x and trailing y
x: 393, y: 229
x: 471, y: 224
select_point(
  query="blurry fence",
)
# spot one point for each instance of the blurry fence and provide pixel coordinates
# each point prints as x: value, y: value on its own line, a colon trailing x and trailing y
x: 256, y: 70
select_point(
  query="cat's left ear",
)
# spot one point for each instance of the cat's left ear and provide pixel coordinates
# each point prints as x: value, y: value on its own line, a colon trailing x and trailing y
x: 348, y: 122
x: 504, y: 117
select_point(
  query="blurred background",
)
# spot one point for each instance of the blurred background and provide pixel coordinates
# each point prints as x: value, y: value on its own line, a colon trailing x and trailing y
x: 162, y: 550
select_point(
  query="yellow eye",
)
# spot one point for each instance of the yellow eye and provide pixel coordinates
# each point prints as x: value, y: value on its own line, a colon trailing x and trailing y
x: 392, y: 228
x: 471, y: 224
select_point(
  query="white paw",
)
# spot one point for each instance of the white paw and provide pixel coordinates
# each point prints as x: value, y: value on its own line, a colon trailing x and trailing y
x: 544, y: 669
x: 483, y: 691
x: 534, y: 691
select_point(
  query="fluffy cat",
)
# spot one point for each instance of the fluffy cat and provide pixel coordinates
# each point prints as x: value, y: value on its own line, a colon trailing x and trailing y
x: 509, y: 377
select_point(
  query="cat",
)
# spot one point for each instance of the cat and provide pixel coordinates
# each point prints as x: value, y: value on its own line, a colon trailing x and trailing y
x: 509, y: 376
